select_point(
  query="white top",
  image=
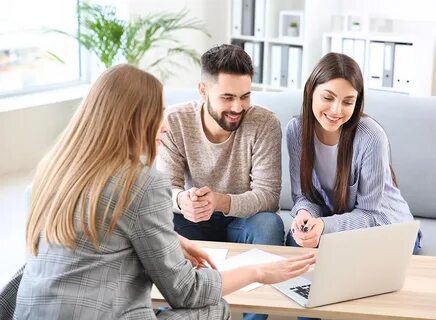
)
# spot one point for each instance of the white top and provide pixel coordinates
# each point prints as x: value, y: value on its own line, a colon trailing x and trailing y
x: 325, y: 165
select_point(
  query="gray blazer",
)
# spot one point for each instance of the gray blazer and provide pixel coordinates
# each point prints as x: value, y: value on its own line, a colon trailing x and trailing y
x: 115, y: 281
x: 373, y: 198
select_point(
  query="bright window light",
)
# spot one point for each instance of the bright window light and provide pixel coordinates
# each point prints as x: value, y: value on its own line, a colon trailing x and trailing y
x: 29, y: 48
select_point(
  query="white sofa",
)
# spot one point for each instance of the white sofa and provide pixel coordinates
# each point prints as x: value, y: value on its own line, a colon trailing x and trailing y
x: 410, y: 123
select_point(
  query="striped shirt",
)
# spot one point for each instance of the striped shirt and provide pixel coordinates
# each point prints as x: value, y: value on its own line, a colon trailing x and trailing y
x: 373, y: 199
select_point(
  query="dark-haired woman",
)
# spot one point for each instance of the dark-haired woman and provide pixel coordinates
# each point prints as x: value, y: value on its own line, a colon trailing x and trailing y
x: 339, y: 159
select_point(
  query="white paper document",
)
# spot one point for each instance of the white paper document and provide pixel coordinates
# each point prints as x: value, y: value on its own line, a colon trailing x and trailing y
x: 218, y: 256
x: 251, y: 257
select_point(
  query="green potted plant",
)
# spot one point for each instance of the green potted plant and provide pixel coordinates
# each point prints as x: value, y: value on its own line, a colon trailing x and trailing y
x: 355, y: 26
x: 293, y: 29
x: 148, y: 41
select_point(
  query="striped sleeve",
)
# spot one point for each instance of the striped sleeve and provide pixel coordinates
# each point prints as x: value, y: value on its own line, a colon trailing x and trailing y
x: 294, y: 150
x: 374, y: 171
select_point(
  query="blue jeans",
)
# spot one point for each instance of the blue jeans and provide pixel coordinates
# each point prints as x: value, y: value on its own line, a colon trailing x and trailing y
x: 290, y: 242
x: 261, y: 228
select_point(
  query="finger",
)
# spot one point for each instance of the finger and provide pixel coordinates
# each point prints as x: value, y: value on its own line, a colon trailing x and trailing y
x: 209, y: 261
x: 301, y: 258
x: 310, y: 224
x: 313, y: 234
x: 202, y: 191
x: 302, y: 263
x: 189, y: 216
x: 192, y: 195
x: 202, y: 211
x: 298, y: 272
x: 311, y: 243
x: 298, y: 234
x: 205, y: 217
x: 293, y: 226
x: 198, y: 204
x: 299, y: 222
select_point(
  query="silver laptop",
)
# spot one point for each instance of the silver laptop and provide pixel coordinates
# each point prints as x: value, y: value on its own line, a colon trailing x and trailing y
x: 355, y: 264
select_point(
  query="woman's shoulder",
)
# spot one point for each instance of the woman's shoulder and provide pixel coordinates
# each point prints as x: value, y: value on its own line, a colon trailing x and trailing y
x: 369, y: 130
x: 294, y: 126
x: 150, y: 178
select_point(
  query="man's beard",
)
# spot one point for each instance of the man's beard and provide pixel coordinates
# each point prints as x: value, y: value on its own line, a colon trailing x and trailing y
x: 221, y: 119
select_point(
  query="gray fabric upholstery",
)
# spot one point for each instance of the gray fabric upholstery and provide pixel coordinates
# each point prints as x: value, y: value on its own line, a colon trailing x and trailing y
x: 409, y: 122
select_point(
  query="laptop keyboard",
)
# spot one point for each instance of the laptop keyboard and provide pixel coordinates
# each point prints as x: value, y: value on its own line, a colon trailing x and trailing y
x: 302, y: 290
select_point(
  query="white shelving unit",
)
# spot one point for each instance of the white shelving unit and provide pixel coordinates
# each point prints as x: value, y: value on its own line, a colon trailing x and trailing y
x: 269, y: 32
x: 389, y: 62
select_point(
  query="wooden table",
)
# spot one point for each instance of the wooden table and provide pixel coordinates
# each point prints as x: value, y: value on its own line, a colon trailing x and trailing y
x: 416, y: 300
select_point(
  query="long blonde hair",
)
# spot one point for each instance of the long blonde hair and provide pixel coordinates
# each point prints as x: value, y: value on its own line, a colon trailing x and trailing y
x: 116, y: 123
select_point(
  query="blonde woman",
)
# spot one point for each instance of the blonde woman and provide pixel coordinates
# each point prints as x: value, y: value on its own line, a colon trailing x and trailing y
x: 100, y: 229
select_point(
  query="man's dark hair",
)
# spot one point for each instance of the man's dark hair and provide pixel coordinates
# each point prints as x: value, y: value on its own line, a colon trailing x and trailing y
x: 226, y: 58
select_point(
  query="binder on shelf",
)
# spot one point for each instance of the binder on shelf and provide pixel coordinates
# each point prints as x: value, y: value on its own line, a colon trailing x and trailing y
x: 259, y: 18
x: 236, y: 17
x: 249, y: 48
x: 359, y: 53
x: 254, y: 50
x: 257, y: 62
x: 375, y: 64
x: 247, y: 18
x: 294, y: 67
x: 348, y: 47
x: 403, y: 54
x: 276, y: 59
x: 336, y: 45
x: 388, y: 65
x: 284, y: 66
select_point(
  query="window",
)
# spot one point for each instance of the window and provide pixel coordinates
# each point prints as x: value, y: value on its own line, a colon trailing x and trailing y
x: 28, y: 49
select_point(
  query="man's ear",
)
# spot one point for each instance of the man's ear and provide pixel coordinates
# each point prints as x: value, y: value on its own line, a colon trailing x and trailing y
x: 202, y: 90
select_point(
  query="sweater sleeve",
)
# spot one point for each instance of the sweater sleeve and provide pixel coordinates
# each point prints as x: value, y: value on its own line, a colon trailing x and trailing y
x: 374, y: 170
x: 158, y: 248
x: 293, y: 136
x: 171, y: 161
x: 264, y: 193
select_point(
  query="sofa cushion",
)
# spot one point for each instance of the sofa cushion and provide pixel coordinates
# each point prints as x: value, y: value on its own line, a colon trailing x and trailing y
x: 410, y: 123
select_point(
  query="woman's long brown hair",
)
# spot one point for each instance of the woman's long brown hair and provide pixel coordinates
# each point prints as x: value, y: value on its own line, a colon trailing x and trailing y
x: 331, y: 66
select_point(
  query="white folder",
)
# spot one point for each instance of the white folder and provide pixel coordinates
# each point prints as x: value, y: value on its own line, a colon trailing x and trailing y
x: 259, y: 18
x: 257, y: 62
x: 294, y: 67
x: 336, y: 45
x: 348, y: 47
x: 388, y: 65
x: 236, y: 17
x: 359, y: 53
x: 375, y: 64
x: 249, y: 48
x: 276, y: 61
x: 403, y: 59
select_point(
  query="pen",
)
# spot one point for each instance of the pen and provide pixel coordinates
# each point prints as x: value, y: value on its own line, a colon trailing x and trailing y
x: 303, y: 227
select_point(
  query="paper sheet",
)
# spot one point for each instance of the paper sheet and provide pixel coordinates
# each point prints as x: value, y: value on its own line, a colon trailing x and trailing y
x: 218, y: 256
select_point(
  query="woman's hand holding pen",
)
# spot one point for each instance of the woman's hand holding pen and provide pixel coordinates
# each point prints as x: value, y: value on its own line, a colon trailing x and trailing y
x: 306, y: 230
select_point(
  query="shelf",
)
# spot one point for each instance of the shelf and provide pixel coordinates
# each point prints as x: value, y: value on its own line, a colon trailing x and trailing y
x: 404, y: 60
x: 248, y: 38
x: 287, y: 41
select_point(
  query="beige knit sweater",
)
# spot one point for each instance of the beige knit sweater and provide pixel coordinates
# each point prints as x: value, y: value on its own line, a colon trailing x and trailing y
x: 247, y: 166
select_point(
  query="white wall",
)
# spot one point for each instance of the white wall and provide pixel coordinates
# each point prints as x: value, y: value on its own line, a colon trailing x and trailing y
x: 212, y: 12
x: 27, y: 134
